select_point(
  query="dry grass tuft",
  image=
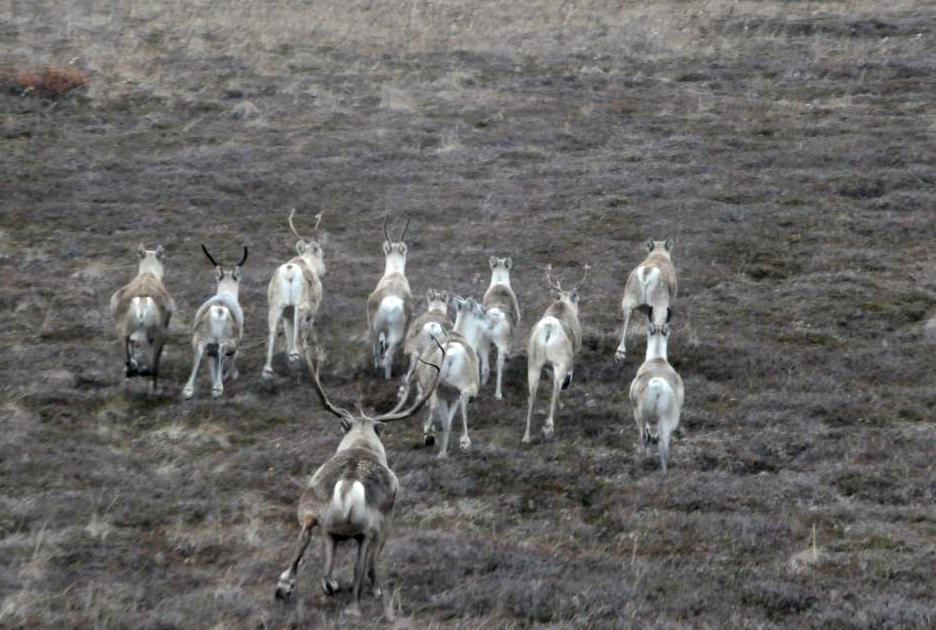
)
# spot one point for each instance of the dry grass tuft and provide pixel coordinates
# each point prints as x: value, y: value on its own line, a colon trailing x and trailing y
x: 50, y: 82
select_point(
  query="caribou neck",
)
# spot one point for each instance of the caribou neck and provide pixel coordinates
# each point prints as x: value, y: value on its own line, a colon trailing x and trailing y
x: 500, y: 276
x: 656, y: 347
x: 395, y: 263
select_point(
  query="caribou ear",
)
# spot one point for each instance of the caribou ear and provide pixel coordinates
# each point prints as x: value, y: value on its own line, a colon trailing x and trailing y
x: 492, y: 262
x: 574, y: 296
x: 141, y: 251
x: 345, y: 424
x: 459, y: 303
x: 402, y: 247
x: 669, y: 244
x: 444, y: 297
x: 160, y: 253
x: 300, y: 247
x: 378, y: 428
x: 508, y: 263
x: 386, y: 247
x: 649, y: 245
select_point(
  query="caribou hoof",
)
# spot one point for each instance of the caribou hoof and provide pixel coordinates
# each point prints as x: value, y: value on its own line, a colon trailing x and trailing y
x: 547, y: 433
x: 267, y: 373
x: 353, y: 610
x: 294, y: 358
x: 188, y: 392
x: 498, y: 396
x: 429, y: 439
x: 526, y: 438
x: 216, y: 392
x: 285, y: 587
x: 619, y: 356
x: 330, y: 586
x: 464, y: 443
x: 442, y: 455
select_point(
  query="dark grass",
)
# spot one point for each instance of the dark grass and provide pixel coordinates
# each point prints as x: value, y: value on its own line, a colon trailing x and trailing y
x: 786, y: 147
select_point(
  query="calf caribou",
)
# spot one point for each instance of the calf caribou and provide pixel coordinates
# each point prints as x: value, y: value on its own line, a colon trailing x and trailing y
x: 503, y: 314
x: 390, y: 306
x: 350, y: 496
x: 555, y: 340
x: 142, y: 309
x: 218, y: 328
x: 651, y: 287
x: 294, y: 295
x: 657, y: 394
x: 434, y: 323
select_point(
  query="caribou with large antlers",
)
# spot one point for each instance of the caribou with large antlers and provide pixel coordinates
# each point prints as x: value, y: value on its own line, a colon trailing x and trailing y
x: 555, y: 340
x: 351, y: 495
x: 142, y: 309
x: 294, y: 295
x: 651, y: 287
x: 218, y: 328
x: 390, y: 306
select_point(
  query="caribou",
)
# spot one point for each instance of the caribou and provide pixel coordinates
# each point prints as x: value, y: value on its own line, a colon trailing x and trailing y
x: 218, y: 328
x: 503, y: 315
x: 390, y: 306
x: 351, y: 496
x: 554, y: 341
x: 294, y: 296
x: 459, y: 379
x: 434, y: 323
x: 651, y: 288
x: 657, y: 394
x: 142, y: 309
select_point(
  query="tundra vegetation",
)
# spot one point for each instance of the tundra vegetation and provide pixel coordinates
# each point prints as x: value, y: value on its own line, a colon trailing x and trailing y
x: 786, y: 147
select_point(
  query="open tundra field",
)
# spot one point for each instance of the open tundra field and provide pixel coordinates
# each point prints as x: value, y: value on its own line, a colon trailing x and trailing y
x: 789, y: 148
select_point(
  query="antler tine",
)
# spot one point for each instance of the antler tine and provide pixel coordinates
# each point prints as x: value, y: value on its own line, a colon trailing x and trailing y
x: 205, y: 249
x: 292, y: 226
x: 402, y: 415
x: 405, y: 227
x: 554, y: 284
x: 386, y: 233
x: 244, y: 259
x: 582, y: 281
x: 318, y: 219
x: 344, y: 414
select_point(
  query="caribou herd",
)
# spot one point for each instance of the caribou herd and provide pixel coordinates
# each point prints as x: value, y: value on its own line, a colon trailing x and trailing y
x: 351, y: 496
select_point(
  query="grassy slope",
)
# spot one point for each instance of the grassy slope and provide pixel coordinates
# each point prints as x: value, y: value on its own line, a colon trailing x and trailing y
x: 788, y: 147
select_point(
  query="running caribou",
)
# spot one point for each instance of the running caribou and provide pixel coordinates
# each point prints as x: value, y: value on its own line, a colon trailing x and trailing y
x: 351, y: 496
x: 651, y: 288
x: 503, y: 314
x: 390, y: 306
x: 657, y: 394
x: 555, y: 340
x: 218, y: 328
x: 142, y: 309
x: 434, y: 323
x: 459, y: 379
x: 294, y: 295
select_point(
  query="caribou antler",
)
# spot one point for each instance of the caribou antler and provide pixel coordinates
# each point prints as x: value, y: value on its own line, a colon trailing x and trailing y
x: 553, y: 284
x: 582, y: 281
x: 292, y: 226
x: 405, y: 227
x: 386, y: 233
x: 402, y: 415
x: 213, y: 261
x: 318, y: 219
x: 244, y: 259
x: 344, y: 414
